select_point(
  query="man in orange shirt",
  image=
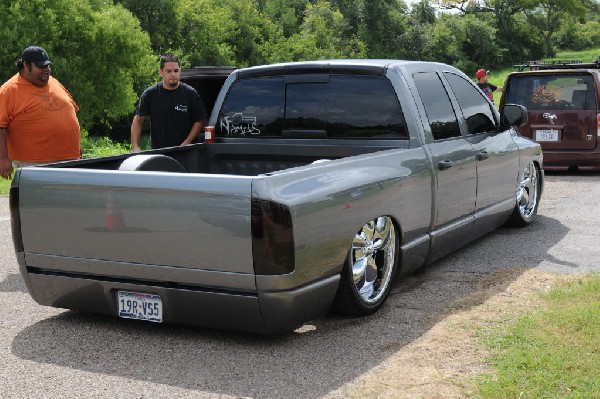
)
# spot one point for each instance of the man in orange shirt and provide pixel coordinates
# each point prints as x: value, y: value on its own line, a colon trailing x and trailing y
x: 38, y: 121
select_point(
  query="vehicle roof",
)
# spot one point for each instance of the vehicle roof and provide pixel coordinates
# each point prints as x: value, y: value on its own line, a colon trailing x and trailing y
x: 556, y: 72
x: 207, y: 72
x: 370, y: 66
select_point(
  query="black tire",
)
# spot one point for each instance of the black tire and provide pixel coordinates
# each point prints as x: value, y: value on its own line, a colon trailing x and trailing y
x: 151, y: 162
x: 527, y: 196
x: 369, y: 270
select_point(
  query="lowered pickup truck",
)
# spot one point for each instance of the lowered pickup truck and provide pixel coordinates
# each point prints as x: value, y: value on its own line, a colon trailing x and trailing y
x: 323, y: 182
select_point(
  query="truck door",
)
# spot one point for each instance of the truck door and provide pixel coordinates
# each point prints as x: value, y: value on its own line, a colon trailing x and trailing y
x: 454, y: 162
x: 495, y: 150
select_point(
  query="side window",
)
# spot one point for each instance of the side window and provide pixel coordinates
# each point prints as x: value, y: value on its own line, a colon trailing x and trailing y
x: 253, y: 107
x: 440, y: 113
x: 475, y: 108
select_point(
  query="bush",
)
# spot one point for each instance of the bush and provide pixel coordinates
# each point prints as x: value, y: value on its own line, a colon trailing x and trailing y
x: 577, y: 36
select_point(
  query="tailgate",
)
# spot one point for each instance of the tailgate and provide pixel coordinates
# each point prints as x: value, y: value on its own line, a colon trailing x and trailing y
x: 122, y: 221
x: 565, y: 130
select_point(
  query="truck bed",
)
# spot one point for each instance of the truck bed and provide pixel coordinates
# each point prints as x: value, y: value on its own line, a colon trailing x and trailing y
x: 245, y: 158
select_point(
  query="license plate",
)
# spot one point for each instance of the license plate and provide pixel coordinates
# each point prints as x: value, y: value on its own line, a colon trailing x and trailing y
x: 136, y: 305
x: 546, y: 135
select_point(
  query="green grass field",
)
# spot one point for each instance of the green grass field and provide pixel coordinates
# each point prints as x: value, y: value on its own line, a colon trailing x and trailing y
x: 550, y: 353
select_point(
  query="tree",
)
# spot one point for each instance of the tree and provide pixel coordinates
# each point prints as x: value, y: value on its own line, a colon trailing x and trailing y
x: 547, y: 18
x: 98, y: 50
x: 287, y: 14
x: 228, y: 32
x: 157, y: 17
x: 513, y: 34
x: 318, y: 38
x: 381, y: 24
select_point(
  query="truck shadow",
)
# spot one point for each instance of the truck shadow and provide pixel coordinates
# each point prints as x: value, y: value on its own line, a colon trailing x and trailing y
x: 308, y: 363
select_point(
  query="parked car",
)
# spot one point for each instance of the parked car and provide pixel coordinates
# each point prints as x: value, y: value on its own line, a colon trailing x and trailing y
x: 562, y: 100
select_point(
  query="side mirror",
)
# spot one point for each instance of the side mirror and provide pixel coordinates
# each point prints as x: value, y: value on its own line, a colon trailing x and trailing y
x: 513, y: 115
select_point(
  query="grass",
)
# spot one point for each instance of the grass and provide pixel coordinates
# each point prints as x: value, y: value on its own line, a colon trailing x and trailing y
x: 553, y: 353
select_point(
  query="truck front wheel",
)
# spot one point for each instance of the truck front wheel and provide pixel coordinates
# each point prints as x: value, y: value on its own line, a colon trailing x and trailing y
x: 527, y: 196
x: 370, y: 268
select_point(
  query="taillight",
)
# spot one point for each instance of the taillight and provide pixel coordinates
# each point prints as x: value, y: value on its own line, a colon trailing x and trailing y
x: 598, y: 125
x: 15, y: 218
x: 209, y: 134
x: 272, y: 238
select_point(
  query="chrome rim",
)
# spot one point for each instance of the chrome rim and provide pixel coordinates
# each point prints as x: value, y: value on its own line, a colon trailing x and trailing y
x: 373, y: 256
x: 527, y: 194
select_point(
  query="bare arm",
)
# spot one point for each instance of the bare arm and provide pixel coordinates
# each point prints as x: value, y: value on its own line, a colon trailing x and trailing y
x: 194, y: 132
x: 136, y: 132
x: 6, y: 167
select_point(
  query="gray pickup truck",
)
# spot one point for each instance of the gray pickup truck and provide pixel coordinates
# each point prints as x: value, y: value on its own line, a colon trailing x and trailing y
x: 325, y: 181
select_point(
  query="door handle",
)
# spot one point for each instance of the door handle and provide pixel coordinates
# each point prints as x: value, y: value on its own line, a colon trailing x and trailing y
x: 482, y: 155
x: 444, y: 165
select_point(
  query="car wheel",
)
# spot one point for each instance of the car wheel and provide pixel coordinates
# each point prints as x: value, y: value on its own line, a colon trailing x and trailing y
x: 527, y: 197
x: 369, y: 270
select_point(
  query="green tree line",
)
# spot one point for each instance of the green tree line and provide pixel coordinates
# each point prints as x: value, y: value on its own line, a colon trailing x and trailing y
x: 106, y: 51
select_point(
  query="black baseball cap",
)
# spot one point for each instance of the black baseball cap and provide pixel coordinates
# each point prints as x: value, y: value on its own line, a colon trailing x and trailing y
x: 37, y: 55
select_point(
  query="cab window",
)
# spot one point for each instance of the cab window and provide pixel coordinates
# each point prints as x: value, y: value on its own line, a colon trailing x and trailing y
x: 476, y: 109
x: 442, y: 120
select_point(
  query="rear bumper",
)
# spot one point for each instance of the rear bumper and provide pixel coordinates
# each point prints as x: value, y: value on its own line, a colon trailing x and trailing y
x: 566, y: 158
x: 263, y: 313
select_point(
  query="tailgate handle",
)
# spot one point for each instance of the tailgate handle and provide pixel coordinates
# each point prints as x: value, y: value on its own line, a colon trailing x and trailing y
x: 444, y: 165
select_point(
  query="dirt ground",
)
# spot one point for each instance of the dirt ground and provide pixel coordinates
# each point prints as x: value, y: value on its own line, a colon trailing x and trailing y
x: 442, y: 363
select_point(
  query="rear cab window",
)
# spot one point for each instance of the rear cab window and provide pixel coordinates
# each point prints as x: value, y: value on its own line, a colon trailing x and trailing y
x: 312, y: 106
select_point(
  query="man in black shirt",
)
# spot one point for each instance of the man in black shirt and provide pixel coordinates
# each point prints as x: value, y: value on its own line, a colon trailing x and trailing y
x: 486, y: 88
x: 175, y: 109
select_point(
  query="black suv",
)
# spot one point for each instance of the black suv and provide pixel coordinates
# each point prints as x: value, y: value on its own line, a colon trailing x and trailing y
x: 562, y: 100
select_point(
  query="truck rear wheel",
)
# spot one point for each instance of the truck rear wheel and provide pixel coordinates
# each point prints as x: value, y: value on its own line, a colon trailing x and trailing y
x: 370, y: 268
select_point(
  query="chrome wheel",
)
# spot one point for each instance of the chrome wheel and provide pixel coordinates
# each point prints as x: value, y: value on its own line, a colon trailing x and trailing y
x: 527, y: 196
x: 528, y: 192
x: 373, y: 256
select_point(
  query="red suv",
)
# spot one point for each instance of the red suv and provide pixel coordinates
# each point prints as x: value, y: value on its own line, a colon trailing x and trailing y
x: 562, y: 100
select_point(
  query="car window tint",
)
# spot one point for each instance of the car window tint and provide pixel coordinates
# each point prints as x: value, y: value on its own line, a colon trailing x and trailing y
x: 305, y: 106
x: 439, y: 110
x: 253, y: 107
x: 475, y: 108
x: 344, y: 106
x: 552, y: 92
x: 364, y: 107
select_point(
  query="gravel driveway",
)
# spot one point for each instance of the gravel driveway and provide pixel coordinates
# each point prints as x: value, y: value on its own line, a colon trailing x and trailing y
x: 46, y: 352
